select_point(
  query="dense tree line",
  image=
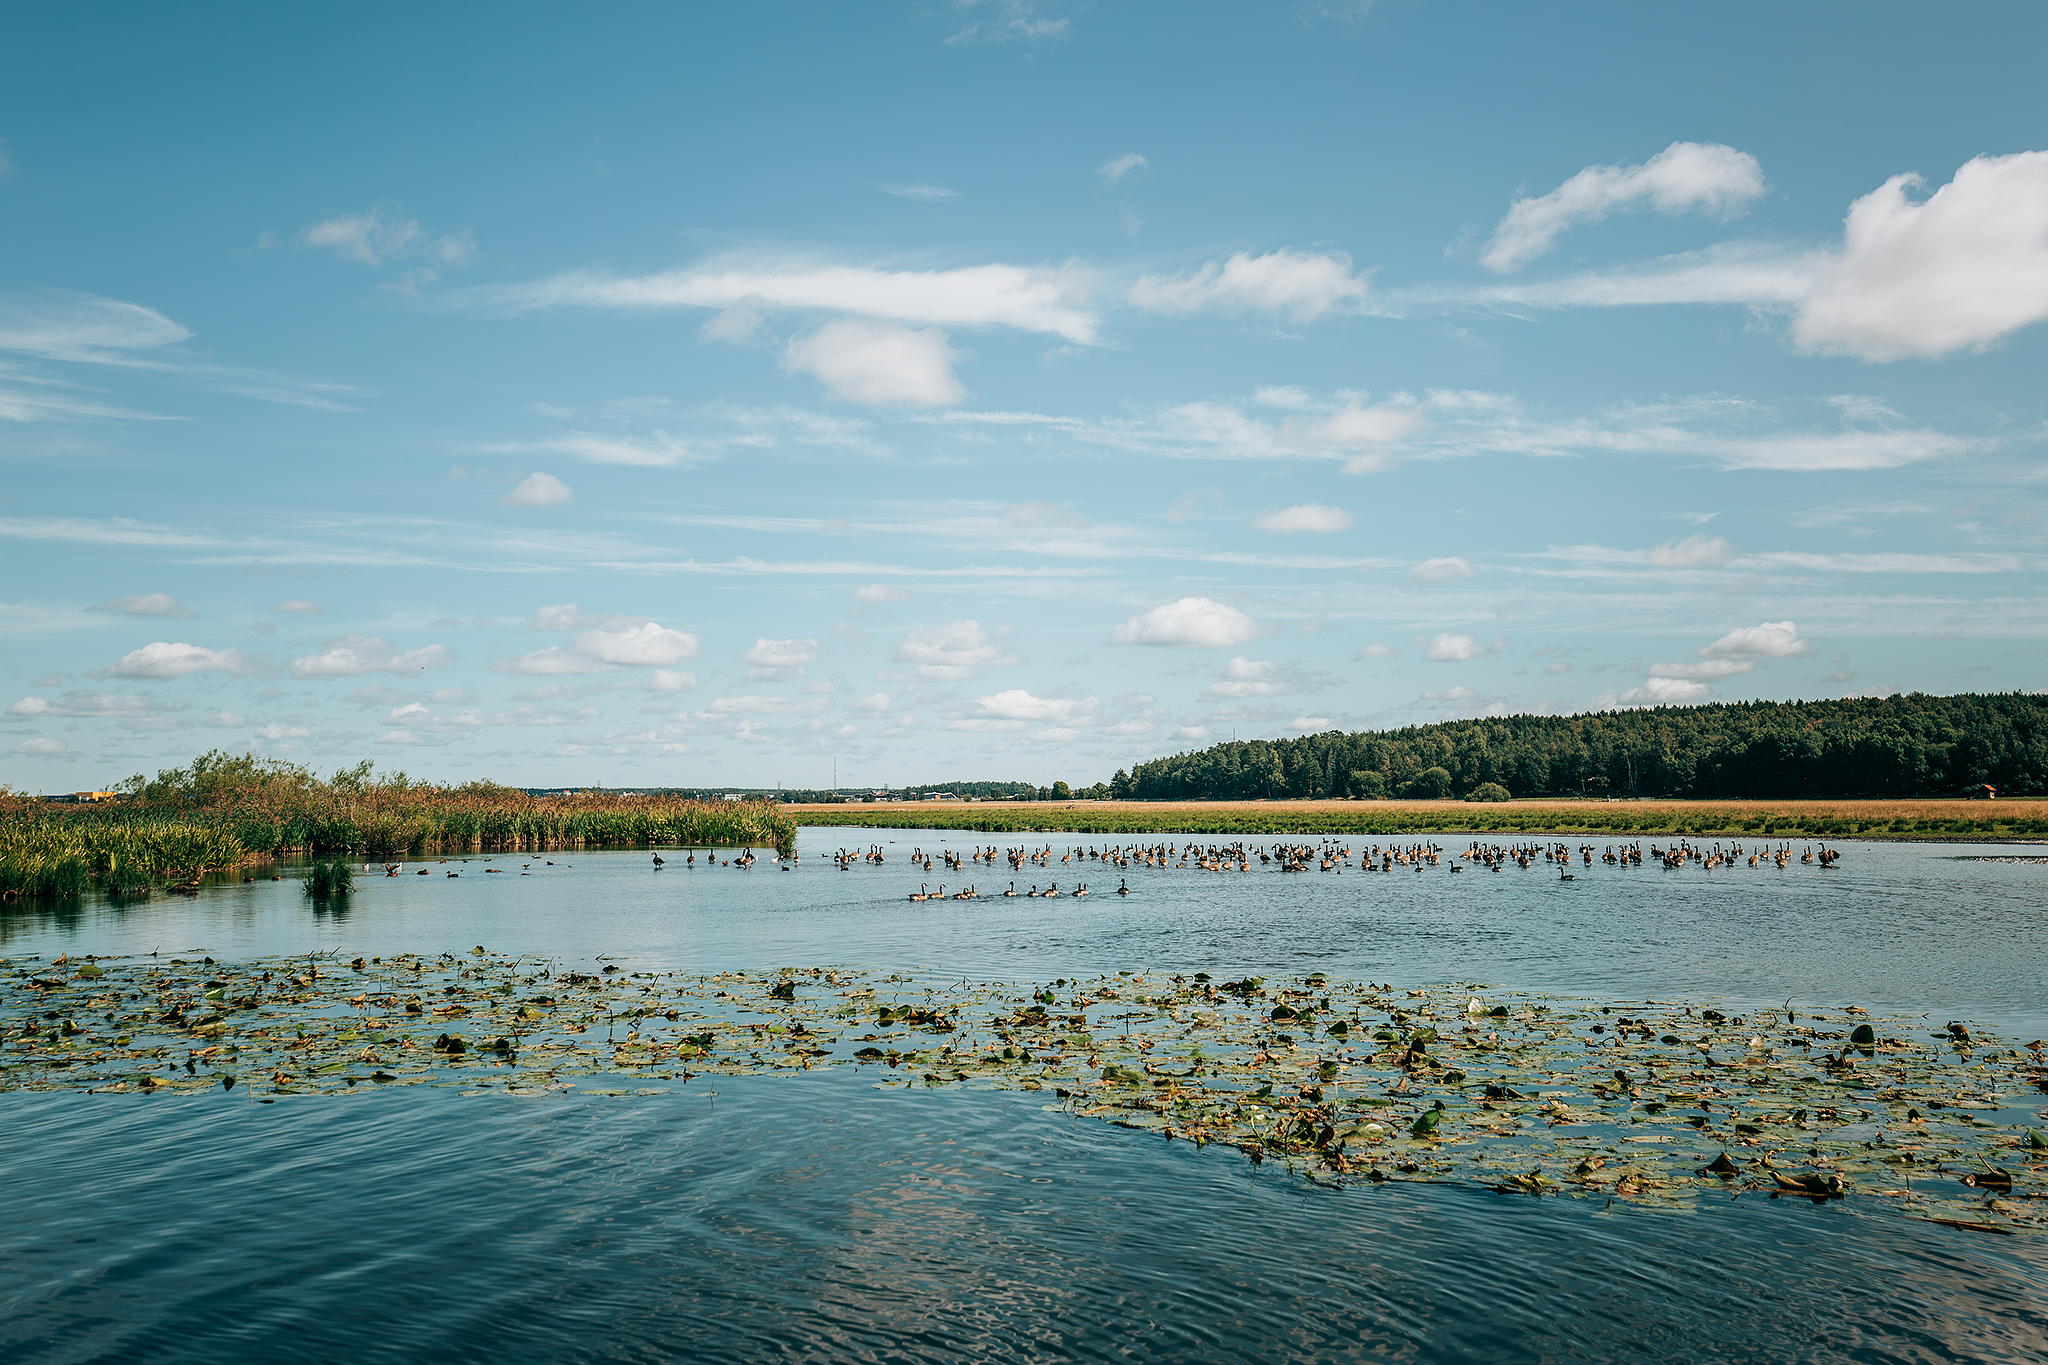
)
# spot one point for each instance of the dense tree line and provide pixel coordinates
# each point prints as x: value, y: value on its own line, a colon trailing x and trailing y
x: 1909, y: 745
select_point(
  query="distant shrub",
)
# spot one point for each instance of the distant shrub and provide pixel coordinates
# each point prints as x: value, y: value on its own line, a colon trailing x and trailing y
x: 1371, y: 786
x: 1431, y: 784
x: 1488, y: 791
x: 330, y: 877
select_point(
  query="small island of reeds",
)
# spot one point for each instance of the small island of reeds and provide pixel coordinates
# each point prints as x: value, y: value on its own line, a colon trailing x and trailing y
x: 226, y: 810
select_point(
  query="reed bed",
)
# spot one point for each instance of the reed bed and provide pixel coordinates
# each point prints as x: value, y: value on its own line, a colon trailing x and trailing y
x: 48, y: 850
x: 1991, y: 821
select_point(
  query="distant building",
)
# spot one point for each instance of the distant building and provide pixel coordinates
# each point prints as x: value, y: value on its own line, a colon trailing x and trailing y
x: 1983, y: 791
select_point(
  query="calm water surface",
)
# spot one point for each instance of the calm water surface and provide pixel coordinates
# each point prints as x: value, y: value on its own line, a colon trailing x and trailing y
x: 815, y: 1217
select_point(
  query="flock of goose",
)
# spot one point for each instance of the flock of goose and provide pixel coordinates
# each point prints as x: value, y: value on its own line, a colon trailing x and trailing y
x: 1327, y: 855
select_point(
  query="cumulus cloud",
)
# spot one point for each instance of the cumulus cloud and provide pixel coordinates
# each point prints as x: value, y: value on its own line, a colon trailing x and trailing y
x: 875, y: 704
x: 777, y: 660
x: 880, y: 365
x: 1020, y: 705
x: 41, y: 748
x: 1117, y: 167
x: 1655, y: 692
x: 1353, y: 426
x: 1709, y: 177
x: 146, y: 604
x: 954, y: 652
x: 80, y: 704
x: 1302, y: 285
x: 1771, y: 640
x: 1957, y: 271
x: 1243, y: 677
x: 1694, y: 552
x: 767, y: 706
x: 165, y: 659
x: 384, y: 233
x: 1444, y: 569
x: 1377, y: 652
x: 633, y: 644
x: 538, y: 490
x: 1190, y: 623
x: 298, y: 606
x: 671, y: 680
x: 1306, y: 516
x: 1036, y: 299
x: 1447, y: 648
x: 353, y: 656
x: 1459, y: 693
x: 875, y: 593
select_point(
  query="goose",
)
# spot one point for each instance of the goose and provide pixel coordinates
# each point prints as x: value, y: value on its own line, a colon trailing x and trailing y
x: 1081, y: 890
x: 1012, y: 891
x: 921, y: 894
x: 1123, y: 887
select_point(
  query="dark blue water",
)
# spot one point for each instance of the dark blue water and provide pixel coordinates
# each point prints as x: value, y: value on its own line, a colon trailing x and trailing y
x: 816, y: 1217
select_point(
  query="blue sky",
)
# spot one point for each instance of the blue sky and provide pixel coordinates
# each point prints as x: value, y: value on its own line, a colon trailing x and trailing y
x: 1003, y: 390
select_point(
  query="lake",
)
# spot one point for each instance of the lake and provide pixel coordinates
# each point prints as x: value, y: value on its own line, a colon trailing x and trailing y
x: 815, y: 1216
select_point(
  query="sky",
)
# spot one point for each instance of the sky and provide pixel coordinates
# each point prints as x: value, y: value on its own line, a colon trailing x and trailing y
x: 789, y: 394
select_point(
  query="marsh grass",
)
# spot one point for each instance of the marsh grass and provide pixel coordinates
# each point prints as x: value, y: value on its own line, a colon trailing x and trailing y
x: 1893, y: 819
x: 329, y: 877
x: 224, y: 811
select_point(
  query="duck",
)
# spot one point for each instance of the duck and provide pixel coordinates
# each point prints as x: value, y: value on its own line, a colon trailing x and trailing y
x: 657, y: 860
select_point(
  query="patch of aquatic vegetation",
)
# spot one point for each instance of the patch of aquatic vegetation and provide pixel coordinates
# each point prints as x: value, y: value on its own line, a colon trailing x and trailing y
x: 1660, y: 1104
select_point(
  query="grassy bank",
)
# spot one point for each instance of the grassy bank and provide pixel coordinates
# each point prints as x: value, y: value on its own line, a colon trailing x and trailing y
x: 225, y: 811
x: 1897, y: 819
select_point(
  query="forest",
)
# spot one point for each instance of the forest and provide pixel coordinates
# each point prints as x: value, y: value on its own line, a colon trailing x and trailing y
x: 1906, y: 745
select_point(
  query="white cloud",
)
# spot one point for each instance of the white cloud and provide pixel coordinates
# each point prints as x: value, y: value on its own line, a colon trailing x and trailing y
x: 929, y: 194
x: 1306, y: 516
x: 1709, y: 670
x: 352, y: 656
x: 1848, y: 450
x: 1715, y: 179
x: 777, y: 660
x: 276, y: 731
x: 875, y: 704
x: 1459, y: 693
x: 641, y: 645
x: 1377, y: 652
x: 1957, y: 271
x: 954, y: 652
x: 1036, y: 299
x: 1771, y: 640
x: 1018, y: 704
x: 41, y: 748
x: 1448, y: 649
x: 567, y: 616
x: 1302, y: 285
x: 670, y: 680
x: 1117, y: 167
x: 84, y: 704
x: 1353, y: 426
x: 298, y: 606
x: 880, y: 365
x: 538, y: 490
x: 767, y: 706
x: 1655, y: 692
x: 146, y: 604
x: 1190, y: 623
x: 1444, y: 569
x: 1694, y: 552
x: 163, y: 659
x: 1290, y: 396
x: 386, y: 233
x: 658, y: 451
x: 61, y: 325
x: 1243, y: 677
x: 1038, y: 514
x: 1192, y: 732
x: 881, y: 592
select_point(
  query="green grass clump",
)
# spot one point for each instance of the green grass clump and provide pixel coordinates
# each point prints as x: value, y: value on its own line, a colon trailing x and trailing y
x: 329, y: 877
